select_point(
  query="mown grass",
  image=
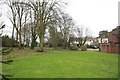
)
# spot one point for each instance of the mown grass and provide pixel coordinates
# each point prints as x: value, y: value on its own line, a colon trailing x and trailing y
x: 63, y: 64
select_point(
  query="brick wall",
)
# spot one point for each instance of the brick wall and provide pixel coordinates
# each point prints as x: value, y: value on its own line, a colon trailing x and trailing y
x: 113, y: 36
x: 109, y: 48
x: 113, y: 45
x: 113, y: 48
x: 104, y: 47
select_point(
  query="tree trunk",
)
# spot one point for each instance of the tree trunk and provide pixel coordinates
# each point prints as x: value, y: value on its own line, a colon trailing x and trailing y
x: 27, y: 42
x: 65, y: 44
x: 24, y: 41
x: 17, y: 39
x: 33, y: 42
x: 33, y: 38
x: 13, y: 33
x: 32, y: 47
x: 20, y: 45
x: 41, y: 42
x: 69, y: 43
x: 84, y: 41
x: 101, y: 39
x: 20, y: 39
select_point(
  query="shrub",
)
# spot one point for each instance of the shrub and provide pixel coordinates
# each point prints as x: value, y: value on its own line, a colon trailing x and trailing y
x: 83, y: 48
x: 74, y: 47
x: 39, y: 50
x: 8, y: 42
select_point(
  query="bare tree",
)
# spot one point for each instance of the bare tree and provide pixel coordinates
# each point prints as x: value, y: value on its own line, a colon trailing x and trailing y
x: 20, y: 9
x: 60, y: 30
x: 12, y: 15
x: 66, y: 23
x: 81, y: 34
x: 33, y: 28
x: 43, y: 12
x: 2, y: 25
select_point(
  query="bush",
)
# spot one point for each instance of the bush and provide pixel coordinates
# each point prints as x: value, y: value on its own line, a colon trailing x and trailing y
x: 83, y: 48
x: 8, y: 42
x: 39, y: 50
x: 74, y: 47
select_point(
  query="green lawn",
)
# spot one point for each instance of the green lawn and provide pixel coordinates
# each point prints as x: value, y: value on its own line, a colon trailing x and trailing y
x: 63, y: 64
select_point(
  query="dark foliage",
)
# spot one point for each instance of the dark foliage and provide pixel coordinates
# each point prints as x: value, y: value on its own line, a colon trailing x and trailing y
x: 8, y: 42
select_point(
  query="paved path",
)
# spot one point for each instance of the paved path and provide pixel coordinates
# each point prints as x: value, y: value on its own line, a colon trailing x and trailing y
x: 93, y: 49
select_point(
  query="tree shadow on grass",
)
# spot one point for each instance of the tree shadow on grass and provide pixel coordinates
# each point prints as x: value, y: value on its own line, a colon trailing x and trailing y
x: 6, y: 76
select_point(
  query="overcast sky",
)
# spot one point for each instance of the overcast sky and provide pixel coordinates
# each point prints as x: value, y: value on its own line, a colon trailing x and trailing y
x: 97, y: 15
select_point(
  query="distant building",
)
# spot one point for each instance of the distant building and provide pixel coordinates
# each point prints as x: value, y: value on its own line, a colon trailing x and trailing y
x: 104, y: 40
x: 89, y: 42
x: 113, y: 45
x: 96, y: 41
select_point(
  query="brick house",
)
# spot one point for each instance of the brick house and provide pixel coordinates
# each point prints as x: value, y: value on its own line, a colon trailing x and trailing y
x: 113, y: 45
